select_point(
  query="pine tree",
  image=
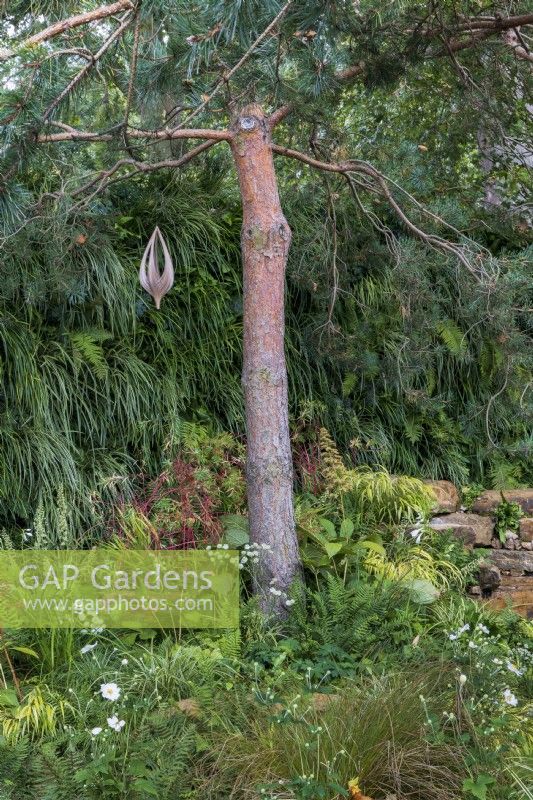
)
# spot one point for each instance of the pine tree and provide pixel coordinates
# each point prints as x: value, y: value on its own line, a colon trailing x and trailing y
x: 121, y: 85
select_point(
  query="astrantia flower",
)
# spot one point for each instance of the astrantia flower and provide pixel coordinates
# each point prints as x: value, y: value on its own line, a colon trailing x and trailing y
x: 87, y: 648
x: 96, y: 731
x: 110, y: 691
x: 115, y: 723
x: 510, y: 698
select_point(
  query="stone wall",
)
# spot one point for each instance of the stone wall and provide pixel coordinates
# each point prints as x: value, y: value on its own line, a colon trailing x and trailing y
x: 506, y: 575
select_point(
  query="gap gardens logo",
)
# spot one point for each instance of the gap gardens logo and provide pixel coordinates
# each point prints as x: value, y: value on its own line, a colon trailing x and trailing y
x: 119, y: 589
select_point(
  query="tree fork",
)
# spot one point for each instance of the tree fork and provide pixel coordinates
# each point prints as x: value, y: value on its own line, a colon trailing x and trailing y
x: 265, y: 242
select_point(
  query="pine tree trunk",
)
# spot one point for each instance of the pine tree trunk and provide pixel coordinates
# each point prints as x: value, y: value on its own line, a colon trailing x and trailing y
x: 265, y: 244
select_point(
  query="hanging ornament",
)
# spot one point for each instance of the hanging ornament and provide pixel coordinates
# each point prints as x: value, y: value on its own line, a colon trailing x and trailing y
x: 155, y: 282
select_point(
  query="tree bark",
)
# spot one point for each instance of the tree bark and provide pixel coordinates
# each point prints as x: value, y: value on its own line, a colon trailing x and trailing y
x: 265, y: 244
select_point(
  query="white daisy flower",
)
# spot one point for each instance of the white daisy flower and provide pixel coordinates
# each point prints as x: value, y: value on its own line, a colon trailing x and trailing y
x: 110, y: 691
x: 510, y: 698
x: 115, y: 723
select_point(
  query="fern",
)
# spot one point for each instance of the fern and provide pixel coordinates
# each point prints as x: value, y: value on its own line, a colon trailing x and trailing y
x: 453, y: 338
x: 87, y: 348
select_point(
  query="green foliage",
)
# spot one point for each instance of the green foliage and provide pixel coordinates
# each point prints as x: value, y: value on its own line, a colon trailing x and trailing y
x: 469, y: 495
x: 373, y: 495
x: 508, y: 517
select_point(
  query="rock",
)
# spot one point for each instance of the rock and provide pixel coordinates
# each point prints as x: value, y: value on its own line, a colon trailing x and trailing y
x: 487, y: 502
x: 527, y: 545
x: 509, y: 544
x: 516, y: 592
x: 496, y: 543
x: 516, y: 562
x: 471, y: 529
x: 447, y: 498
x: 489, y: 576
x: 526, y: 529
x: 475, y: 591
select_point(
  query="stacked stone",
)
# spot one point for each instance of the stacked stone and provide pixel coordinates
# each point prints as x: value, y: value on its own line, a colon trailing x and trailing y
x: 507, y: 574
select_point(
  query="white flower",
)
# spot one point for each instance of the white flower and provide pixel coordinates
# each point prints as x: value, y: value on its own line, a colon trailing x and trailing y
x: 96, y: 731
x: 497, y: 661
x: 87, y: 648
x: 417, y: 535
x: 115, y: 723
x: 509, y: 698
x: 110, y: 691
x: 124, y: 662
x: 462, y: 680
x: 472, y: 645
x: 289, y: 603
x: 512, y: 668
x: 483, y: 628
x: 452, y: 637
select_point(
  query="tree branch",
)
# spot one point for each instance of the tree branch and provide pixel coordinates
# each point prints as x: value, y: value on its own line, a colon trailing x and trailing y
x: 380, y: 181
x: 480, y: 29
x: 102, y: 180
x: 226, y: 77
x: 512, y: 39
x: 83, y: 72
x: 72, y: 22
x: 496, y: 24
x: 134, y: 133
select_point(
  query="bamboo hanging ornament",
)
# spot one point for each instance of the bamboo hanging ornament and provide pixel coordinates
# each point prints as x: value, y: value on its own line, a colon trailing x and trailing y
x: 157, y: 283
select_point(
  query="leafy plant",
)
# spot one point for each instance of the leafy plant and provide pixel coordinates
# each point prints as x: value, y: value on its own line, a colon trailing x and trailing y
x: 508, y: 517
x: 469, y: 494
x: 372, y: 494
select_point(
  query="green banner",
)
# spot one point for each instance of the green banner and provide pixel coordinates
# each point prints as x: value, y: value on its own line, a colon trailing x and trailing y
x: 119, y: 589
